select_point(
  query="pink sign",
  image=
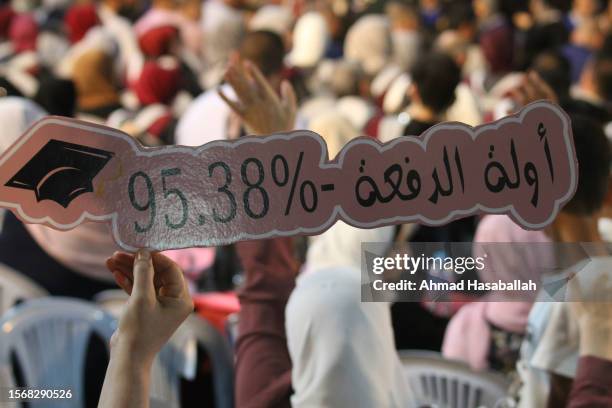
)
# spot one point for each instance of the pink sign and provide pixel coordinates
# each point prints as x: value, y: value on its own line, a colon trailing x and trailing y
x: 63, y: 172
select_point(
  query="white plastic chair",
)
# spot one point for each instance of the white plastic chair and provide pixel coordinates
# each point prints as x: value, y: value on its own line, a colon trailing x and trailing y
x: 14, y: 287
x: 178, y: 360
x: 438, y: 382
x: 49, y: 338
x: 231, y: 327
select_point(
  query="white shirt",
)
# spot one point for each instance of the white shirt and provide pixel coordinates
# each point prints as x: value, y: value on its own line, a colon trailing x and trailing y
x: 206, y: 119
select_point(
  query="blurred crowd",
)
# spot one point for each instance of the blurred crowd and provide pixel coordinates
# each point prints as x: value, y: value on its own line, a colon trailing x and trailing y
x: 192, y: 71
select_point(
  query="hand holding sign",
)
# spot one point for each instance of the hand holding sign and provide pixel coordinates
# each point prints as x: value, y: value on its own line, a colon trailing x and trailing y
x: 159, y: 301
x: 63, y: 172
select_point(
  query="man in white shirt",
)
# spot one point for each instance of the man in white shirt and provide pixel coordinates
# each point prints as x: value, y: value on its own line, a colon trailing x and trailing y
x: 209, y: 118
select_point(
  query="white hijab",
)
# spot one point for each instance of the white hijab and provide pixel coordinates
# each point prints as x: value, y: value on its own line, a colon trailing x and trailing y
x: 16, y: 116
x: 332, y: 336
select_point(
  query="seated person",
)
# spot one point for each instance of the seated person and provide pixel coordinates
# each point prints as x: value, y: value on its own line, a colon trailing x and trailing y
x: 549, y: 352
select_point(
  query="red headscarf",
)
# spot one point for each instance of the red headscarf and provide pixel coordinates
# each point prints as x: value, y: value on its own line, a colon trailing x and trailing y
x: 79, y: 19
x: 158, y: 41
x: 159, y: 81
x: 23, y: 32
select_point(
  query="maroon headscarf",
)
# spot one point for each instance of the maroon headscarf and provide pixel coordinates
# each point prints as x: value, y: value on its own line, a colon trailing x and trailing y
x: 23, y: 32
x: 159, y: 81
x: 79, y: 19
x: 158, y: 41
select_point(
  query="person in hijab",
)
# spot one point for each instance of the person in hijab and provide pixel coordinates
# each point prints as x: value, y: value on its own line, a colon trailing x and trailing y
x: 310, y: 39
x: 16, y: 115
x: 156, y: 88
x: 23, y: 32
x: 223, y: 28
x: 158, y: 82
x: 466, y: 107
x: 368, y: 42
x: 158, y: 41
x: 272, y: 17
x: 495, y: 37
x: 78, y: 19
x: 97, y: 91
x: 163, y: 13
x: 405, y: 33
x: 165, y: 40
x: 488, y: 334
x: 332, y: 335
x: 335, y: 129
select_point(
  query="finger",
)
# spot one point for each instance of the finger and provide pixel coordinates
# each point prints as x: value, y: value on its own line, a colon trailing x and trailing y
x: 123, y: 282
x: 123, y: 258
x: 544, y: 89
x: 234, y: 105
x: 263, y: 86
x: 530, y: 91
x: 234, y: 58
x: 239, y: 80
x: 289, y: 100
x: 143, y: 275
x: 517, y: 96
x: 125, y: 264
x: 169, y: 276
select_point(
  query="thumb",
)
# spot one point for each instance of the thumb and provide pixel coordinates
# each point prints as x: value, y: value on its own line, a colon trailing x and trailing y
x: 143, y: 275
x: 289, y: 99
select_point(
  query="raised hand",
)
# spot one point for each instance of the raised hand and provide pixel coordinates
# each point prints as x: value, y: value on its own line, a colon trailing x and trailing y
x: 531, y: 89
x: 260, y: 107
x: 159, y: 301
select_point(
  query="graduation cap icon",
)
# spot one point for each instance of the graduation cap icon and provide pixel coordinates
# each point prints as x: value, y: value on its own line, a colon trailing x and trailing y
x: 61, y: 171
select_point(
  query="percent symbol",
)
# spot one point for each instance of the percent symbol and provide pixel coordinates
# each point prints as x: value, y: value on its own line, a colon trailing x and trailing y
x: 284, y: 180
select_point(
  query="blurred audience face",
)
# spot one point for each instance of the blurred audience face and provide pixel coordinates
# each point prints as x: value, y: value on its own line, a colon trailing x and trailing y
x: 483, y: 9
x: 402, y: 16
x: 585, y: 8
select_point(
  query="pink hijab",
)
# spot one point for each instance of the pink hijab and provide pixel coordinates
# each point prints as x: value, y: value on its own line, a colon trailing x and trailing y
x: 23, y: 32
x: 468, y: 334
